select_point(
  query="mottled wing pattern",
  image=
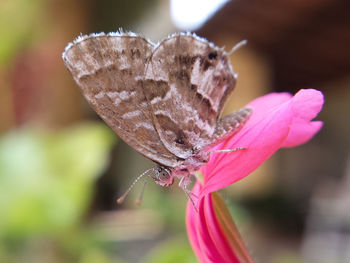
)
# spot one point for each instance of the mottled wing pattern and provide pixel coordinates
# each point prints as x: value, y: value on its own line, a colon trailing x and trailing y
x: 187, y: 81
x: 229, y: 125
x: 109, y: 69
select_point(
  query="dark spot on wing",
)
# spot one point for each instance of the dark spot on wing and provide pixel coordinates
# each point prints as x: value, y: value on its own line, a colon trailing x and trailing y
x: 180, y: 137
x: 185, y: 60
x: 212, y: 55
x: 179, y: 141
x: 98, y: 72
x: 135, y: 53
x: 126, y: 71
x: 155, y: 88
x: 181, y: 75
x: 205, y: 64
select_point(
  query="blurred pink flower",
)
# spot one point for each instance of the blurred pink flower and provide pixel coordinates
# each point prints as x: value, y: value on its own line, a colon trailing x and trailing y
x: 278, y: 120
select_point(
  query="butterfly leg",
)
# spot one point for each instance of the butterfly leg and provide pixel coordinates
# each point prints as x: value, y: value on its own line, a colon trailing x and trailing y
x: 184, y: 182
x: 228, y: 150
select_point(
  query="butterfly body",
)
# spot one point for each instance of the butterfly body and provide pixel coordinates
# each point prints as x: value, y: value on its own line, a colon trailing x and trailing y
x: 164, y: 176
x: 163, y: 99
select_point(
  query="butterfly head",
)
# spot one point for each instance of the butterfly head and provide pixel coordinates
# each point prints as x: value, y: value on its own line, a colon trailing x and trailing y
x: 163, y: 176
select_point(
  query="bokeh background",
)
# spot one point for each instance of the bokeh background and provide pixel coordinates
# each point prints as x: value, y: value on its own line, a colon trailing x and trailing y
x: 62, y: 169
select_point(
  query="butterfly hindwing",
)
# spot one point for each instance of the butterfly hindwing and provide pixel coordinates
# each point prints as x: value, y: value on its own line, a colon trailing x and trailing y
x: 229, y: 125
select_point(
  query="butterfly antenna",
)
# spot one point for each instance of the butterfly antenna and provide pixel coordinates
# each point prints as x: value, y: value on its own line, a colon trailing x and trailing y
x: 237, y: 46
x: 121, y: 199
x: 139, y: 200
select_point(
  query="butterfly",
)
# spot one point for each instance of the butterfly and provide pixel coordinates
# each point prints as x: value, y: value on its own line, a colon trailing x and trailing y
x: 163, y: 99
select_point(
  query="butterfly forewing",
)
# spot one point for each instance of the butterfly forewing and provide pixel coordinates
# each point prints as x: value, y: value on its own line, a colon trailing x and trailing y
x: 110, y: 69
x: 187, y: 81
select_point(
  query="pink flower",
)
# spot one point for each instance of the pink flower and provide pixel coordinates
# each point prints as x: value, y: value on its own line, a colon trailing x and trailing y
x: 278, y: 120
x: 212, y: 232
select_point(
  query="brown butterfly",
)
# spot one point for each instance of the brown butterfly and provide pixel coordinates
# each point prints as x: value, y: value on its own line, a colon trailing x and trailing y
x: 163, y: 99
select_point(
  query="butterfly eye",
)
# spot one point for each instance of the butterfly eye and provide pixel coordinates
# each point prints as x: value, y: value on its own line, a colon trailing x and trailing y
x: 212, y: 55
x: 162, y: 173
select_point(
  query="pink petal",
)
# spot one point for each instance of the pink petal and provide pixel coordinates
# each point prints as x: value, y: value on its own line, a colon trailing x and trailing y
x: 307, y: 104
x: 278, y: 120
x: 198, y: 231
x: 191, y: 226
x: 219, y: 240
x: 267, y: 103
x: 206, y: 237
x: 301, y: 132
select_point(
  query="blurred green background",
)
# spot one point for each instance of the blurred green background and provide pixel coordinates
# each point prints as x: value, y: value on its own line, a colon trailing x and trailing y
x: 62, y: 168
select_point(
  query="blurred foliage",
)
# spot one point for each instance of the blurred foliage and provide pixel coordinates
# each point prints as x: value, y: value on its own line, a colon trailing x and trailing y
x: 46, y: 183
x: 173, y: 202
x: 110, y: 15
x: 172, y: 251
x: 20, y: 24
x: 286, y: 257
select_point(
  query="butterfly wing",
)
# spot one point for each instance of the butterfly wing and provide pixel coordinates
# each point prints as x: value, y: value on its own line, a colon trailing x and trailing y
x: 229, y: 125
x: 109, y: 69
x: 187, y: 82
